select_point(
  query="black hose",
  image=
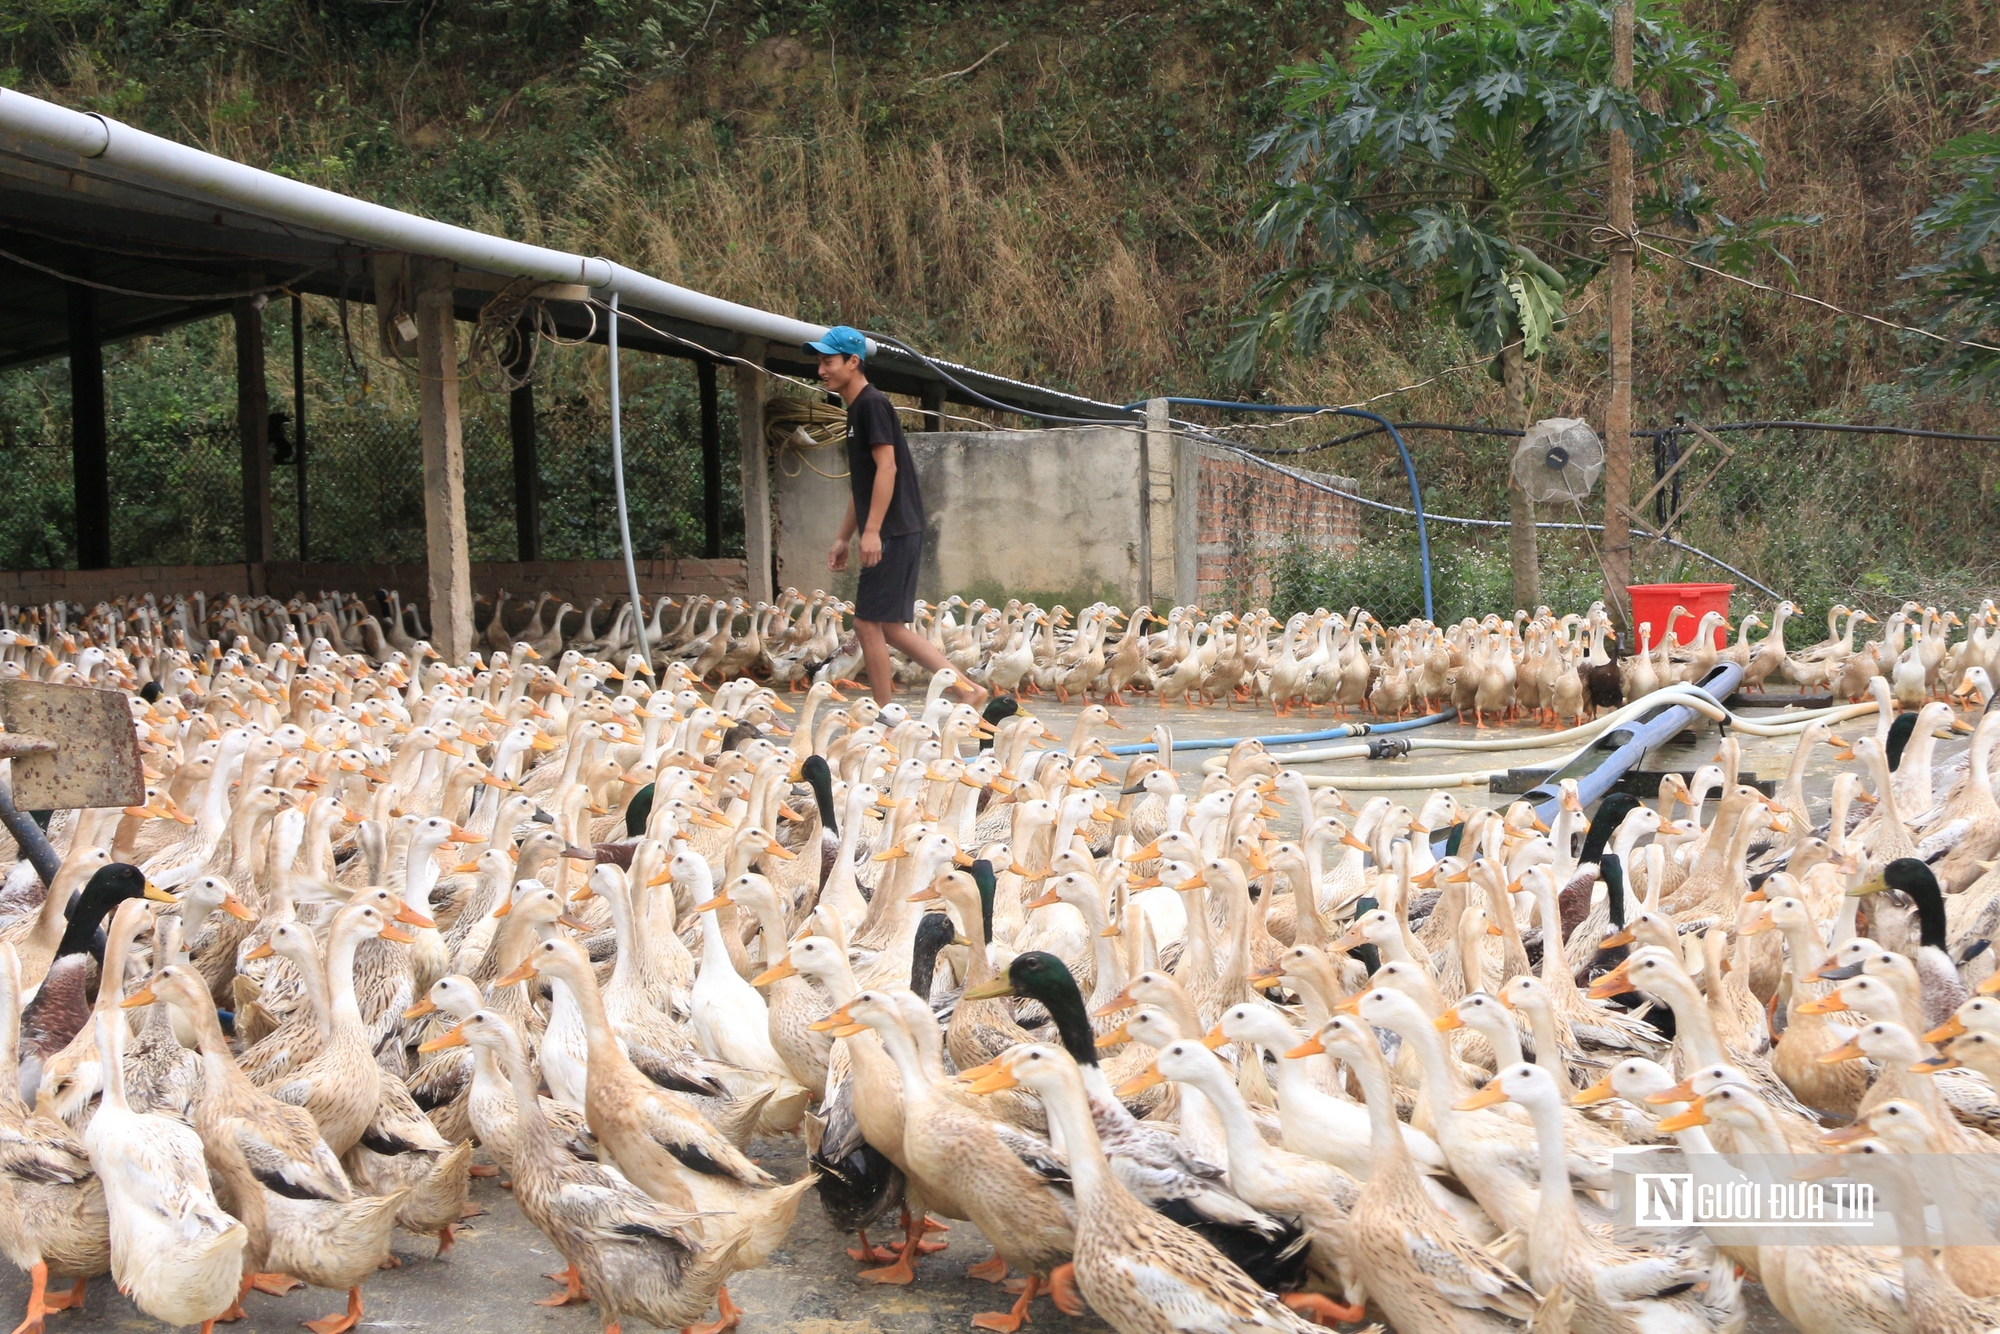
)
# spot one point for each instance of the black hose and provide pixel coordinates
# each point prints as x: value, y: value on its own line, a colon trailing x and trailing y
x: 34, y: 843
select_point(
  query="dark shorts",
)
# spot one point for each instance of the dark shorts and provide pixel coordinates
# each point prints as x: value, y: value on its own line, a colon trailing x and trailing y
x: 888, y: 588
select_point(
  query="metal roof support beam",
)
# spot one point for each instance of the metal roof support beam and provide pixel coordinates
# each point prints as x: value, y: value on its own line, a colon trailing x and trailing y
x: 711, y: 461
x: 752, y: 388
x: 90, y: 453
x: 445, y: 542
x: 253, y: 427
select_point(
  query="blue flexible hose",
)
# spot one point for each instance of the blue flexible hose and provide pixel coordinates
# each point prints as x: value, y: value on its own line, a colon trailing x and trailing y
x: 1293, y: 738
x: 1409, y: 467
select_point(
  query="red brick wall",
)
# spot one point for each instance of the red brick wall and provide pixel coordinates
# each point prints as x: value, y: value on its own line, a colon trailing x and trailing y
x: 572, y: 580
x: 1247, y: 512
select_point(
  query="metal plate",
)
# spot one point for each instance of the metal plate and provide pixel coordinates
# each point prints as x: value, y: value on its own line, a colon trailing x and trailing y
x: 97, y: 763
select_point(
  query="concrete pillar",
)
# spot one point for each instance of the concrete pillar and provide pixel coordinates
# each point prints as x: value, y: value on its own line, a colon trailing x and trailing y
x: 752, y: 388
x: 90, y: 453
x: 253, y: 433
x: 933, y: 405
x: 445, y: 544
x: 1173, y: 470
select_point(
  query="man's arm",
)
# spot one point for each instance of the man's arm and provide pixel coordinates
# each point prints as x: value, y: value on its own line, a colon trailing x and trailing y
x: 836, y: 559
x: 878, y: 504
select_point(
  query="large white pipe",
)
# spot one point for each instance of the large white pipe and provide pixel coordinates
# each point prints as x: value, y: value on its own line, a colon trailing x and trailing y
x: 116, y: 144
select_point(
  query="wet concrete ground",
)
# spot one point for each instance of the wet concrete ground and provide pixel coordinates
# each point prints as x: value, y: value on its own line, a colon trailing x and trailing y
x: 492, y: 1278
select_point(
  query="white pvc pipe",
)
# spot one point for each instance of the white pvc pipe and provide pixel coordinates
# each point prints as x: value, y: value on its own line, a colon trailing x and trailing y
x: 618, y: 483
x: 119, y: 145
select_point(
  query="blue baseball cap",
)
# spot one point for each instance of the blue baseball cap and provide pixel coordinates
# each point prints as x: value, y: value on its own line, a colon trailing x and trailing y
x: 841, y: 341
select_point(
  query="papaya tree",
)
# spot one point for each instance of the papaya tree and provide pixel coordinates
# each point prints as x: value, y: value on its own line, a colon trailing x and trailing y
x: 1452, y: 159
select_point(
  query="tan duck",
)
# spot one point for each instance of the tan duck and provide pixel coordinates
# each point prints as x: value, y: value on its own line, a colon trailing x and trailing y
x: 276, y: 1173
x: 632, y: 1255
x: 972, y: 1166
x: 652, y: 1135
x: 342, y: 1085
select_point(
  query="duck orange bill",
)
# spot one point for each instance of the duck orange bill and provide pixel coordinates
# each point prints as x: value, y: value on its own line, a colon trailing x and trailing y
x: 781, y: 969
x: 979, y: 1072
x: 1616, y: 982
x: 1989, y: 986
x: 964, y: 859
x: 451, y: 1037
x: 143, y: 996
x: 573, y: 922
x: 1947, y: 1030
x: 890, y: 854
x: 506, y: 907
x: 1849, y: 1050
x: 1930, y: 1065
x: 1262, y: 982
x: 1123, y: 1001
x: 719, y: 901
x: 1847, y: 1134
x: 1601, y: 1091
x: 780, y: 851
x: 1490, y: 1096
x: 465, y: 868
x: 1048, y: 900
x: 1215, y: 1038
x: 1681, y: 1092
x: 390, y: 931
x: 1353, y: 940
x: 1140, y: 1082
x: 158, y: 895
x: 263, y: 951
x: 1449, y: 1020
x: 521, y: 974
x: 1147, y: 853
x: 999, y: 986
x: 409, y: 916
x: 1686, y: 1120
x: 1827, y: 1004
x: 1351, y: 1005
x: 421, y: 1008
x: 1117, y: 1037
x: 1312, y: 1046
x: 996, y: 1082
x: 236, y: 908
x: 837, y: 1019
x: 849, y: 1030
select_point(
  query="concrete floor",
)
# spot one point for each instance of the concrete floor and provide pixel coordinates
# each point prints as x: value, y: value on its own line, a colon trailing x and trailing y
x: 492, y: 1278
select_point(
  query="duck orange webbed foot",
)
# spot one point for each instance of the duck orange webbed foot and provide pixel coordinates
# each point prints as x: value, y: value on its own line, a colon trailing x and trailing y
x: 988, y: 1271
x: 1317, y: 1306
x: 274, y: 1285
x: 339, y: 1324
x: 572, y: 1292
x: 1062, y: 1290
x: 868, y: 1251
x: 1010, y: 1322
x: 729, y: 1315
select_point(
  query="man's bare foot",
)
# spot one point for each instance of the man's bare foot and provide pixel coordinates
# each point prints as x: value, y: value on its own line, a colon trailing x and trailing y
x: 971, y: 692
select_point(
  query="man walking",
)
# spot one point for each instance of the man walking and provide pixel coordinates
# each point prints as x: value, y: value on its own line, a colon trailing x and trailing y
x: 887, y: 510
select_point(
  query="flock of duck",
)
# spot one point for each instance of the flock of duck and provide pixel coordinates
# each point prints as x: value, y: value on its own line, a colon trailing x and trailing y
x: 604, y: 920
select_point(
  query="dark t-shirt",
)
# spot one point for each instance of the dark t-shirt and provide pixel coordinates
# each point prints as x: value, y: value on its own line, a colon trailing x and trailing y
x: 871, y: 421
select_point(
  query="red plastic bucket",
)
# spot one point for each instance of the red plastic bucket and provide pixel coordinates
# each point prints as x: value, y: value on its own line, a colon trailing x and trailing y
x: 1654, y: 602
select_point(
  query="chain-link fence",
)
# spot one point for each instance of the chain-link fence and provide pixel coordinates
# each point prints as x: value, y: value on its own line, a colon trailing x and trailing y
x: 177, y: 496
x: 1818, y: 517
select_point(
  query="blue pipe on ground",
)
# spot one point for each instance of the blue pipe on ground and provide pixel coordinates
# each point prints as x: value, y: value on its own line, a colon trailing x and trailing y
x: 1292, y: 739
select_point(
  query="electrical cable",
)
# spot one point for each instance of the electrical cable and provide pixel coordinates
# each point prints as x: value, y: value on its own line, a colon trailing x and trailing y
x: 1409, y: 466
x: 1291, y: 739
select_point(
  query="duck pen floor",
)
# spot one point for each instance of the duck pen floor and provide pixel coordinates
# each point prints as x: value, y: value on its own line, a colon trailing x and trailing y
x: 492, y: 1278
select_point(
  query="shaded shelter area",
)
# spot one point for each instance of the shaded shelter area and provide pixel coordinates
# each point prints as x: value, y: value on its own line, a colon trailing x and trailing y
x: 108, y: 233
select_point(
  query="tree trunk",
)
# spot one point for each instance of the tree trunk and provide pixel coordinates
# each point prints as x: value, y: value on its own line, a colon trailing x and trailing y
x: 1523, y: 556
x: 1618, y: 412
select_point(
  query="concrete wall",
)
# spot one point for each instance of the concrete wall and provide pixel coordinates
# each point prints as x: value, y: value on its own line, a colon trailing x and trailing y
x: 1050, y: 515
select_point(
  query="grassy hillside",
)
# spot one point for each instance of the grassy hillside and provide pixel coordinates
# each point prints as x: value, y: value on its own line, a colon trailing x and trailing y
x: 1056, y: 190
